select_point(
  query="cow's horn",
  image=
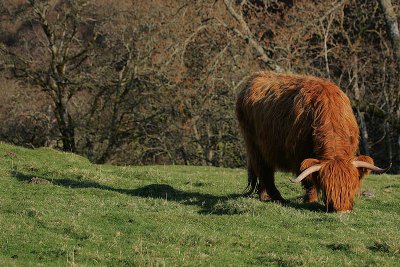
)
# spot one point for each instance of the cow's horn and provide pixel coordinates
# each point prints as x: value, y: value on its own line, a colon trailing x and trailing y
x: 306, y: 173
x: 363, y: 164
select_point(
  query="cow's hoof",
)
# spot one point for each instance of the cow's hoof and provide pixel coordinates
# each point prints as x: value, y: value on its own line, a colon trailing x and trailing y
x: 264, y: 196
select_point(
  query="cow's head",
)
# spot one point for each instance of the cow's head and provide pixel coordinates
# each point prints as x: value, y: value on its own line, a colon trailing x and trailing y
x: 339, y: 179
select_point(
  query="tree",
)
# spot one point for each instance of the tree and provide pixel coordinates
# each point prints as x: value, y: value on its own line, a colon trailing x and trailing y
x: 157, y: 82
x: 55, y: 44
x: 393, y: 29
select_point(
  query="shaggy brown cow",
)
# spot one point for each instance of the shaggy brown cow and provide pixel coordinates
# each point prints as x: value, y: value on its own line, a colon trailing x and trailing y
x: 304, y: 125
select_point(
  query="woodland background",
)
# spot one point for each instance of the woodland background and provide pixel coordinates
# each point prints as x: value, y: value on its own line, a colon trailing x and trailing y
x: 155, y: 82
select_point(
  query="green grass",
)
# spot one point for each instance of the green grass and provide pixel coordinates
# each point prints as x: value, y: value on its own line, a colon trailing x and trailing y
x: 57, y: 209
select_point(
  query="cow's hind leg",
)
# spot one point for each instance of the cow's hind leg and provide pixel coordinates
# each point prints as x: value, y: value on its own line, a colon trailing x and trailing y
x: 266, y: 188
x: 258, y: 169
x: 260, y: 175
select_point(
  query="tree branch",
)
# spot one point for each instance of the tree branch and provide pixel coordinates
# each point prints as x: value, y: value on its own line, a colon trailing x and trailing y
x: 247, y: 35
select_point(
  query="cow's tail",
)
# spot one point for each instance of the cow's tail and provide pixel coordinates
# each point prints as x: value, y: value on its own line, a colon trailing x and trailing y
x: 251, y: 182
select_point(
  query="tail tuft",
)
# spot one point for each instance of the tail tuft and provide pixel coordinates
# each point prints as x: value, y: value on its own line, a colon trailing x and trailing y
x: 251, y: 183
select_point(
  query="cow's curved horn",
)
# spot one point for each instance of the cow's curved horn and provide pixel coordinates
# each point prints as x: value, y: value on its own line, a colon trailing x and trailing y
x: 306, y: 173
x: 363, y: 164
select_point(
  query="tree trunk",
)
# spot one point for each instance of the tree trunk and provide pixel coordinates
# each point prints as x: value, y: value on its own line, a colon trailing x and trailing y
x: 393, y: 27
x: 107, y: 152
x: 66, y: 127
x: 363, y: 133
x: 359, y: 94
x: 111, y: 136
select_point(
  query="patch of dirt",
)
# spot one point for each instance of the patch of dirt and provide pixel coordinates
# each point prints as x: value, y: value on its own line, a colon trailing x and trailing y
x: 36, y: 180
x: 368, y: 194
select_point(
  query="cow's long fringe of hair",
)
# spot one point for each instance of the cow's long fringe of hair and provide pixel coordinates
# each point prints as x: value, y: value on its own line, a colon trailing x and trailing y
x: 337, y: 186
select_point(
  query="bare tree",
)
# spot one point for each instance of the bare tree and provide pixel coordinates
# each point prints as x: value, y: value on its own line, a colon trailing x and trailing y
x: 57, y: 44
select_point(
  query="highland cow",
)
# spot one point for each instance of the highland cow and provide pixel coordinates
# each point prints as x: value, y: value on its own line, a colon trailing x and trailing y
x: 304, y: 125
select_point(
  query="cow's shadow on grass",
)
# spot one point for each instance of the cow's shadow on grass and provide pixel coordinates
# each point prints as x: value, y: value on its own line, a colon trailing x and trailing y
x: 208, y: 204
x: 315, y: 206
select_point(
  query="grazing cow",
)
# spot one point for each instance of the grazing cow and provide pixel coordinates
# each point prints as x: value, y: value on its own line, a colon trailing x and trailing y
x: 304, y: 125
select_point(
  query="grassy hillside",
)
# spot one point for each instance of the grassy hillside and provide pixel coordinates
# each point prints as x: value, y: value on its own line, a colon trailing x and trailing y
x: 57, y: 209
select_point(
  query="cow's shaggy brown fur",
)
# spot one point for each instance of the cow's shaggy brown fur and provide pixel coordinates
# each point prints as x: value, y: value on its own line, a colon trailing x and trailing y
x: 292, y: 122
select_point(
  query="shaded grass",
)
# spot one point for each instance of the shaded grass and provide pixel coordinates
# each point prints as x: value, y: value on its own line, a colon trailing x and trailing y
x: 57, y: 209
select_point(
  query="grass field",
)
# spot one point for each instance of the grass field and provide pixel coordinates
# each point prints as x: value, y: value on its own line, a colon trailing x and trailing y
x: 57, y: 209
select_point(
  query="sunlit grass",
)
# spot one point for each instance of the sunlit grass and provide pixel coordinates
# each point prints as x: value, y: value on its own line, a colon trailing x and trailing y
x: 57, y: 209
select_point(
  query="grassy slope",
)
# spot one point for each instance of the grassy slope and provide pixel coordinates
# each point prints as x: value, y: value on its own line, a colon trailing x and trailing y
x: 58, y: 209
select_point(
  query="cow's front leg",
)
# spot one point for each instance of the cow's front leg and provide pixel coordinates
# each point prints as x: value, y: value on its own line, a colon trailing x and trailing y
x: 311, y: 191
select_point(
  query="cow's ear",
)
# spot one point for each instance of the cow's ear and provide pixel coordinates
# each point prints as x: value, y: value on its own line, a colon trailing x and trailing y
x: 364, y: 171
x: 307, y: 163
